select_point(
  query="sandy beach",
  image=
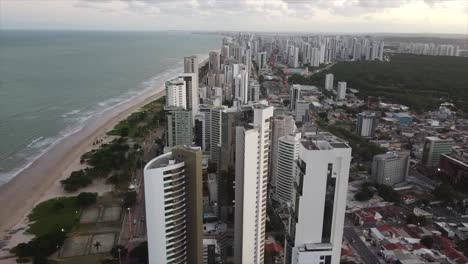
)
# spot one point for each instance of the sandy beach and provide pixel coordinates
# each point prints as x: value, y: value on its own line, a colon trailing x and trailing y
x: 41, y: 180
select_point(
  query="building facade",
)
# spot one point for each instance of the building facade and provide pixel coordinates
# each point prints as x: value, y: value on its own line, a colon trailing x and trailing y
x: 174, y: 210
x: 318, y: 200
x: 251, y: 180
x: 433, y: 148
x: 366, y: 123
x: 390, y: 168
x: 179, y: 127
x: 288, y: 151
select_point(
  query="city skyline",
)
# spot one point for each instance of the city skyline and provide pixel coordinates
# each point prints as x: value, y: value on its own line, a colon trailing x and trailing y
x: 346, y: 16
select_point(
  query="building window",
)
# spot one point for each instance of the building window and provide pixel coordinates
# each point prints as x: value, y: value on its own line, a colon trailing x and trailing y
x: 329, y: 204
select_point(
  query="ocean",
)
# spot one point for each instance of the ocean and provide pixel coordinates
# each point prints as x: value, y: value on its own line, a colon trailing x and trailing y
x: 52, y: 82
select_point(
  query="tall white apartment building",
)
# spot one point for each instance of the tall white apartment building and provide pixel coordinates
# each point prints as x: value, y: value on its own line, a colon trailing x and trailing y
x: 251, y: 180
x: 315, y: 57
x: 191, y: 91
x: 175, y: 93
x: 281, y: 125
x: 341, y: 91
x: 318, y: 200
x: 288, y: 151
x: 174, y: 209
x: 293, y: 60
x: 329, y: 82
x: 366, y: 122
x: 190, y: 76
x: 294, y: 95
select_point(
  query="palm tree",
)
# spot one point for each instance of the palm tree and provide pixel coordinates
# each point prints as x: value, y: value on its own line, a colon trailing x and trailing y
x: 97, y: 245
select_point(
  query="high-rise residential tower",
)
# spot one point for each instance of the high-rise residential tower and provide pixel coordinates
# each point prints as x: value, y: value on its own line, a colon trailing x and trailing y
x: 179, y: 127
x: 174, y: 209
x: 281, y: 125
x: 329, y: 82
x: 433, y: 148
x: 341, y: 91
x: 288, y: 150
x: 251, y: 180
x: 318, y: 200
x: 366, y: 122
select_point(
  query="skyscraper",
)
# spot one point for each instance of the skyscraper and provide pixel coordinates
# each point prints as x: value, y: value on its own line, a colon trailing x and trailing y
x: 318, y: 200
x: 288, y: 150
x: 191, y: 91
x: 176, y: 93
x: 329, y: 82
x: 174, y: 210
x: 215, y: 133
x: 366, y: 122
x: 262, y: 60
x: 179, y: 127
x: 281, y: 125
x: 190, y: 76
x: 294, y: 95
x: 251, y: 179
x: 341, y: 91
x: 213, y: 62
x: 433, y: 148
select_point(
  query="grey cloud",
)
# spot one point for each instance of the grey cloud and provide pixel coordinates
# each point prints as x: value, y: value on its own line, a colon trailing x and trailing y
x: 267, y: 8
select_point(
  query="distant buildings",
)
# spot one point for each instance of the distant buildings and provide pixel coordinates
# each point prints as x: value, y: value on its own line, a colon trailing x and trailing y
x: 329, y: 82
x: 262, y: 59
x: 433, y: 148
x: 251, y: 180
x: 390, y: 168
x: 429, y: 49
x: 174, y: 211
x: 294, y: 95
x: 403, y: 118
x: 175, y: 93
x: 318, y: 200
x: 366, y: 123
x: 341, y: 91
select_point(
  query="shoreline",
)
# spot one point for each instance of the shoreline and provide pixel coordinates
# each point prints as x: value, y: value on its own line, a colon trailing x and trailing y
x: 40, y: 180
x: 19, y: 196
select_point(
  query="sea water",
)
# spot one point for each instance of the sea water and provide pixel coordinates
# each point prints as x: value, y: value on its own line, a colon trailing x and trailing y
x: 52, y: 82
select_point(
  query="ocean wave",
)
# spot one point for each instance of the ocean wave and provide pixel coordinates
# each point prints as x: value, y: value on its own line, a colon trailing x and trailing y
x: 76, y: 120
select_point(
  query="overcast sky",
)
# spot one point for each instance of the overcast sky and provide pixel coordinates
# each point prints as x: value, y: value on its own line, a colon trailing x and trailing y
x: 406, y: 16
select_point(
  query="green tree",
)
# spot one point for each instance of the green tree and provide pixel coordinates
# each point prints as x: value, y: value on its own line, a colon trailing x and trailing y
x: 86, y: 199
x: 140, y: 253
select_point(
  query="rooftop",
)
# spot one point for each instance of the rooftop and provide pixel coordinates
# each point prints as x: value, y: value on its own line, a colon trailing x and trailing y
x: 323, y: 141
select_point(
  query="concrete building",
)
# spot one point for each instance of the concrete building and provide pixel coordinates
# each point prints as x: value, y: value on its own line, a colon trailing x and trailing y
x: 179, y: 127
x: 174, y: 210
x: 262, y: 60
x: 251, y: 180
x: 293, y: 60
x: 294, y: 95
x: 318, y: 200
x: 191, y: 91
x: 366, y: 123
x: 390, y: 168
x: 175, y: 93
x: 215, y: 133
x: 433, y: 148
x: 288, y: 150
x: 329, y: 82
x: 302, y: 111
x: 341, y: 91
x: 281, y: 125
x: 213, y: 62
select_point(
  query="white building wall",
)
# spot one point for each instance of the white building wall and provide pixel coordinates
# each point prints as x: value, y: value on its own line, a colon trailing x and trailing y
x: 311, y: 207
x: 155, y: 204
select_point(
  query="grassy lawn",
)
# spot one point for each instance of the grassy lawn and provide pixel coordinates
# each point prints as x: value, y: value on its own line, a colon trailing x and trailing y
x: 53, y: 215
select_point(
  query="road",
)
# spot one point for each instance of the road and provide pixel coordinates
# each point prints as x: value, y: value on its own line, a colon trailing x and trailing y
x: 355, y: 241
